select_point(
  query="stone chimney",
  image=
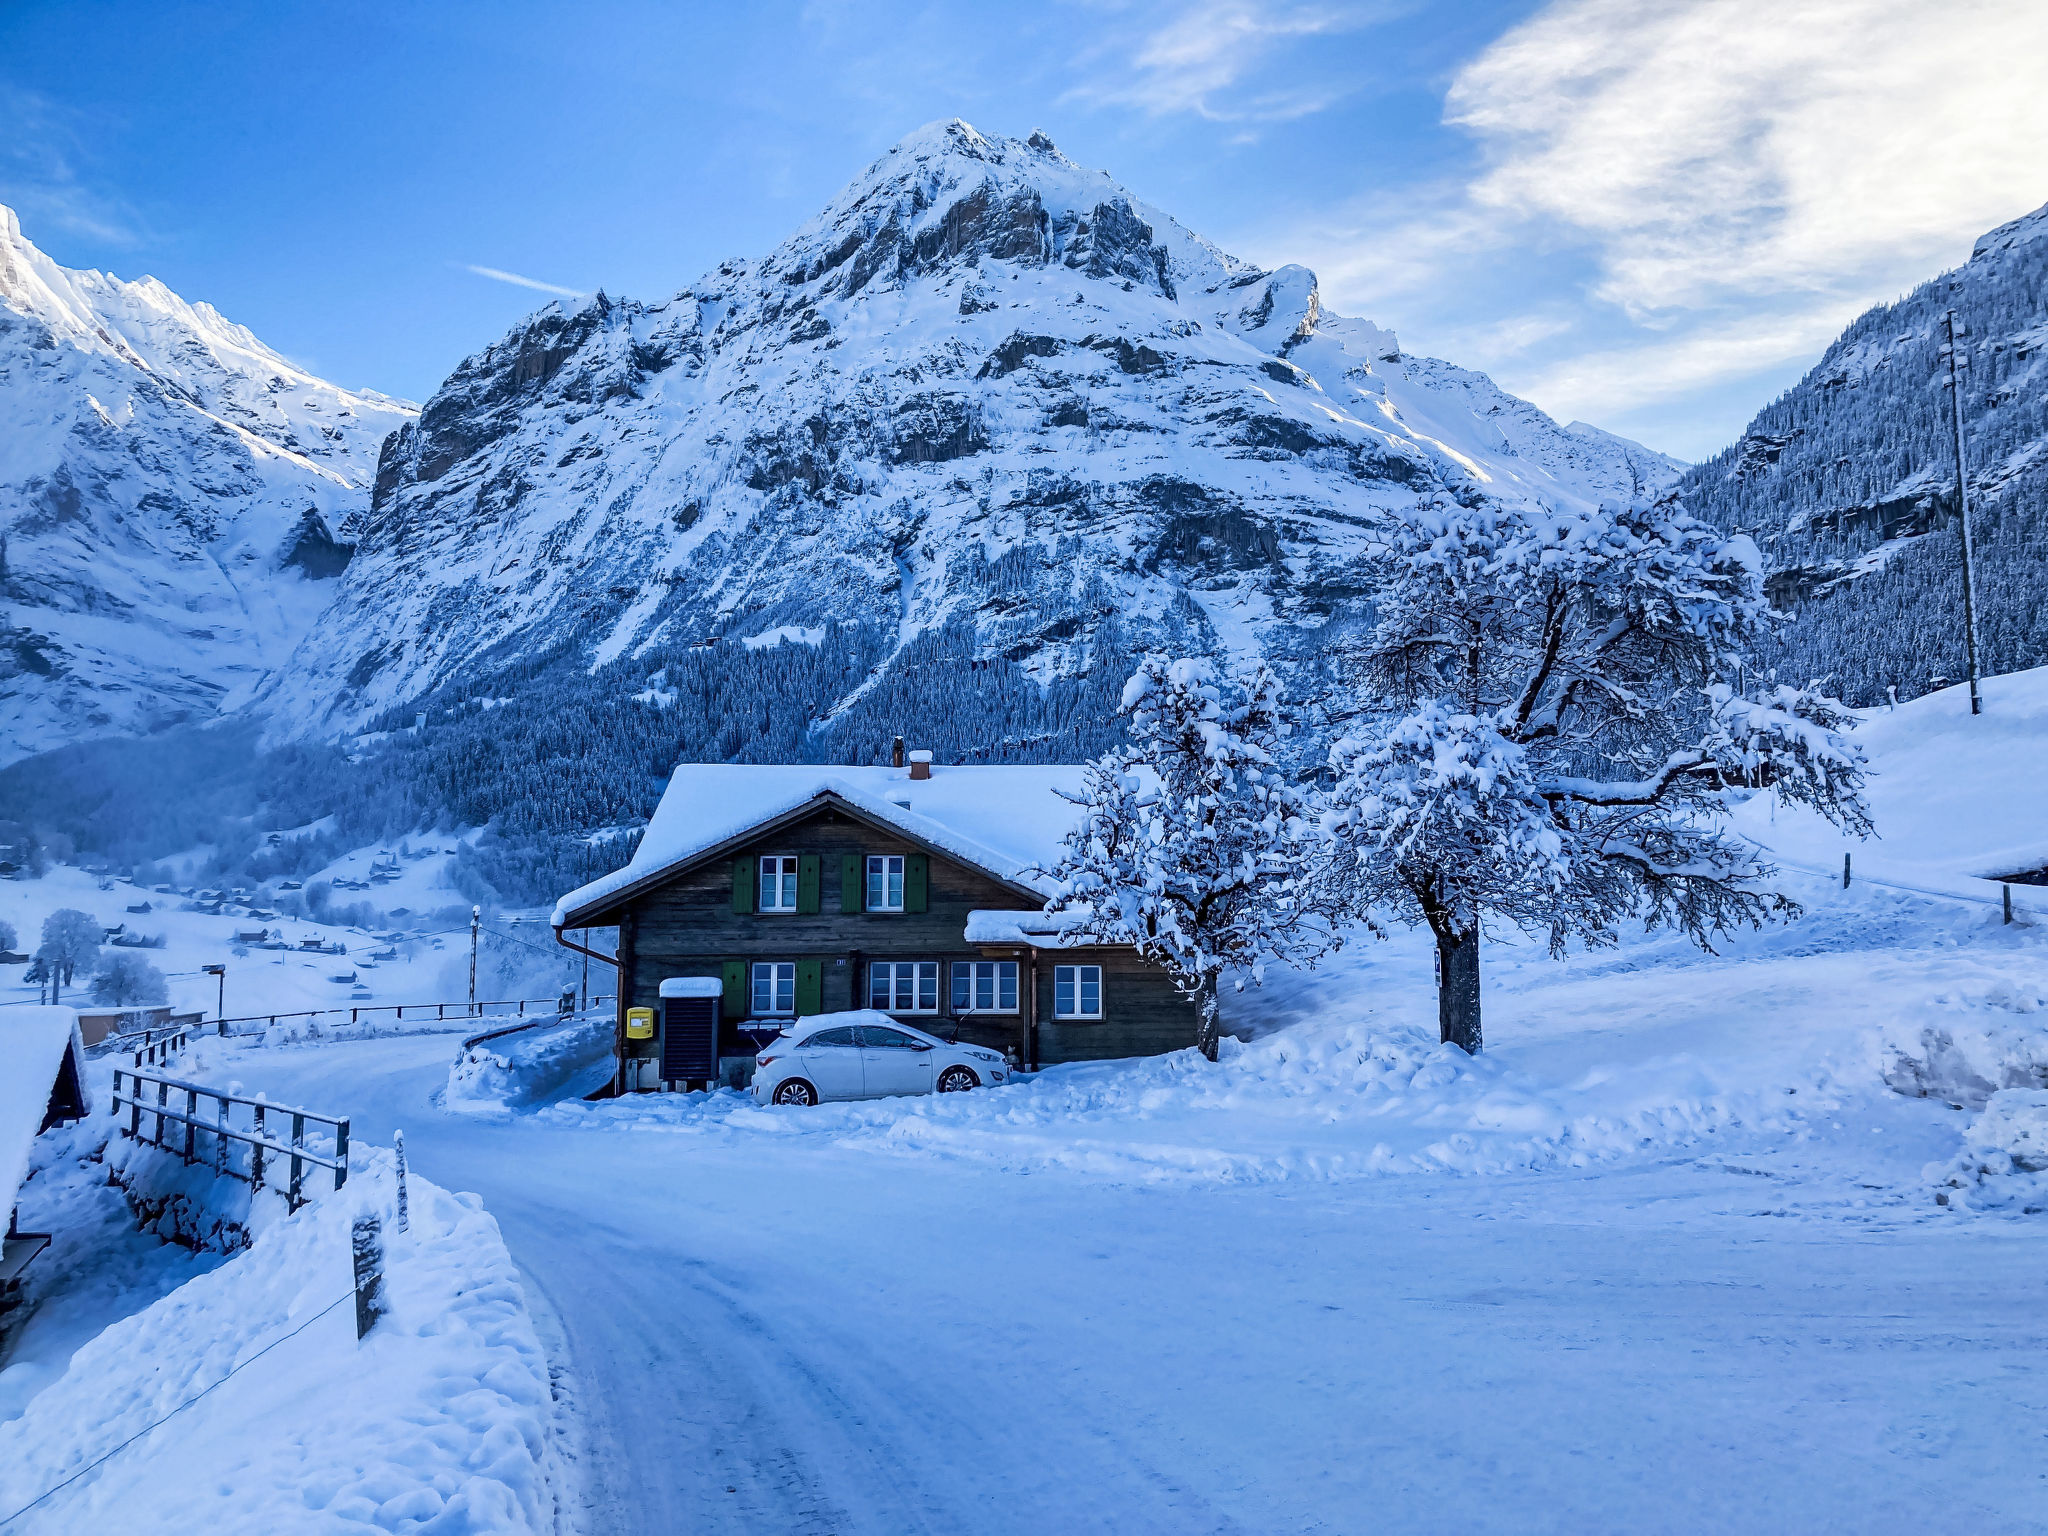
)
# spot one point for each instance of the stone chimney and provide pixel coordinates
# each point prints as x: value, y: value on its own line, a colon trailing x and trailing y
x: 896, y: 754
x: 921, y: 764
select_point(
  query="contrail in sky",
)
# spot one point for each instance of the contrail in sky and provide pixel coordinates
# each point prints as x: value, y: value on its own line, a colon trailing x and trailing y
x: 523, y: 282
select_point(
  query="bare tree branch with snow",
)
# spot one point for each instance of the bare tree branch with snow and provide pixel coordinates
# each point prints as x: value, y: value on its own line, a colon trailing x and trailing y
x: 1569, y: 731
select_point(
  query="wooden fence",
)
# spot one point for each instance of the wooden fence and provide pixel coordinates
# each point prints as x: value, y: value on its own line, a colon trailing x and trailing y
x: 153, y: 1118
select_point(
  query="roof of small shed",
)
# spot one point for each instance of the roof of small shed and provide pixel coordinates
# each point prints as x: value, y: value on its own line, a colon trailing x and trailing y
x: 33, y: 1043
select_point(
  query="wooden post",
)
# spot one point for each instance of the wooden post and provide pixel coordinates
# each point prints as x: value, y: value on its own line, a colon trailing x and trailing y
x: 404, y: 1215
x: 191, y: 1122
x: 298, y: 1166
x: 1845, y: 871
x: 340, y: 1153
x: 256, y: 1153
x: 220, y: 1133
x: 366, y: 1243
x: 2008, y: 901
x: 163, y: 1094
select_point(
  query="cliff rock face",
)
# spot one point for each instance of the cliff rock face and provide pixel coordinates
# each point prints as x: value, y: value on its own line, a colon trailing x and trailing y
x: 984, y: 391
x: 169, y: 494
x: 1848, y: 481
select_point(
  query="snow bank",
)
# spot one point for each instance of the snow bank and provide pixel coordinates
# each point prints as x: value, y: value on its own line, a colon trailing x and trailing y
x: 535, y: 1066
x: 435, y: 1421
x: 2004, y: 1161
x: 1956, y: 797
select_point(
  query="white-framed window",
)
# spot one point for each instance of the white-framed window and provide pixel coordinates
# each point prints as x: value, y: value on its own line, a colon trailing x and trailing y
x: 904, y: 986
x: 885, y: 882
x: 984, y: 986
x: 774, y: 987
x: 1077, y: 991
x: 778, y: 882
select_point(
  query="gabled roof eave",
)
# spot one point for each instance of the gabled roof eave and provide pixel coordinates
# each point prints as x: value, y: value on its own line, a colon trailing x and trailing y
x: 590, y: 914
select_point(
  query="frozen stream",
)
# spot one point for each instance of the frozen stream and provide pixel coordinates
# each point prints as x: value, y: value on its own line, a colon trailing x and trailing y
x: 804, y: 1331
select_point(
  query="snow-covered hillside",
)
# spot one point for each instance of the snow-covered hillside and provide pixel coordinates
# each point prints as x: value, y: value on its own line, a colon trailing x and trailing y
x: 984, y: 385
x: 173, y: 497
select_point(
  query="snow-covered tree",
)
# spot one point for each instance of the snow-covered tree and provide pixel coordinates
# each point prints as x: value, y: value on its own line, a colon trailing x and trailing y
x: 71, y: 942
x: 1193, y: 847
x: 1565, y: 727
x: 127, y: 980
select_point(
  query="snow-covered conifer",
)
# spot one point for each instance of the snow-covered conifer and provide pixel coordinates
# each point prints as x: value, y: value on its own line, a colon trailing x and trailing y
x: 1566, y: 731
x: 1193, y: 847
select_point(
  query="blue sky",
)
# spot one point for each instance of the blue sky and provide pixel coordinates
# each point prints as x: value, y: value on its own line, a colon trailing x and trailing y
x: 1648, y: 216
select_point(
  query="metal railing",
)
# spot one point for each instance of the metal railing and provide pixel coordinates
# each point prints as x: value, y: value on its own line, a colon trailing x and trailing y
x: 441, y: 1011
x: 161, y: 1115
x: 152, y: 1047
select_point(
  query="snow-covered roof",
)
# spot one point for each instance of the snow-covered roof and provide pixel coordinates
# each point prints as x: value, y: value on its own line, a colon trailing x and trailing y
x: 1005, y: 927
x: 33, y: 1043
x: 1009, y: 821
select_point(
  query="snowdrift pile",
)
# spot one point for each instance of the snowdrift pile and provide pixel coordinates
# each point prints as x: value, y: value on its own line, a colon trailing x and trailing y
x: 2004, y: 1162
x: 534, y: 1066
x: 283, y: 1420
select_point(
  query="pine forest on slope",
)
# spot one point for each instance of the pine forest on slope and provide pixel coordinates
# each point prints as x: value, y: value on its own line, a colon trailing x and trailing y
x: 1848, y: 483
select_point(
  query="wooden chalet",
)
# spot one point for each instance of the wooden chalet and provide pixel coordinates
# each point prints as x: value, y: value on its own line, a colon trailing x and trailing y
x: 760, y: 894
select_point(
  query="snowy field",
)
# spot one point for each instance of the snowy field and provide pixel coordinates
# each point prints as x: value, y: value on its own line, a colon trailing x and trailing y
x: 429, y: 962
x: 1669, y: 1256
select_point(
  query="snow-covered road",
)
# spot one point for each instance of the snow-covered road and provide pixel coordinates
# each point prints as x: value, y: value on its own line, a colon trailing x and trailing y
x: 813, y: 1333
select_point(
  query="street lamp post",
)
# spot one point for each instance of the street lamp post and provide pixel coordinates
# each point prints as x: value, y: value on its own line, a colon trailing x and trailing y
x: 220, y: 1004
x: 1957, y: 363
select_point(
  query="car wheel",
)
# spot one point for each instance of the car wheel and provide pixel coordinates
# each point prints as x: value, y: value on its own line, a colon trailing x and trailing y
x: 795, y: 1091
x: 957, y: 1080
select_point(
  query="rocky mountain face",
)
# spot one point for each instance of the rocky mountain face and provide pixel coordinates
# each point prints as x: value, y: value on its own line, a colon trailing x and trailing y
x: 1848, y: 481
x: 985, y: 394
x: 173, y: 499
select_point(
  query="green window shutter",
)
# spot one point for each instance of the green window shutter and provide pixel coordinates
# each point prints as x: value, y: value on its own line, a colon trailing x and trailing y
x: 737, y: 1004
x: 852, y: 883
x: 914, y: 882
x: 743, y: 885
x: 806, y: 882
x: 810, y: 987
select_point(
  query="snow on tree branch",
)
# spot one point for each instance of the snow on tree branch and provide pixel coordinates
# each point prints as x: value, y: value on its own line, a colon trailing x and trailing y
x: 1192, y: 846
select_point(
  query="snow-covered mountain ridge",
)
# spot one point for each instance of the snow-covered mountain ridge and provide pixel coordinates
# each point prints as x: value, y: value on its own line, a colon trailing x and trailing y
x: 1848, y: 481
x: 984, y: 387
x: 169, y: 487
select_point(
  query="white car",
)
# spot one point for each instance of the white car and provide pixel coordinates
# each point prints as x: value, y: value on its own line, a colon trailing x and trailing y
x: 866, y: 1055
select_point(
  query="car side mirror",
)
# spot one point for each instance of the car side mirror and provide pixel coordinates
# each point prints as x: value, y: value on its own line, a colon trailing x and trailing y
x: 919, y: 1045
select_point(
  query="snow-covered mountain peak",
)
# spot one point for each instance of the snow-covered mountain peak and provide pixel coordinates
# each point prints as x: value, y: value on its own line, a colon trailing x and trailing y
x: 197, y: 354
x: 173, y: 494
x: 948, y: 196
x: 984, y: 391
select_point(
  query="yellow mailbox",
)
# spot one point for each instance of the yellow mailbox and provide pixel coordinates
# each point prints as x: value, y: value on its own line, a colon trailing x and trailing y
x: 639, y: 1023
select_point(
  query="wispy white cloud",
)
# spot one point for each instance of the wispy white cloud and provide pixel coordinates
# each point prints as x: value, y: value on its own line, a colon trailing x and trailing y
x: 41, y: 152
x: 1704, y: 190
x: 498, y: 276
x: 1710, y: 147
x: 1213, y: 60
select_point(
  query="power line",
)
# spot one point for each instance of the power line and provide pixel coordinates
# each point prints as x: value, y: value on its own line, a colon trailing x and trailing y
x: 117, y: 1450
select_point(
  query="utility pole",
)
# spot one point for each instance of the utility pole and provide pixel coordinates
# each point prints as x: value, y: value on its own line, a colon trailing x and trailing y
x: 586, y: 968
x: 1957, y: 363
x: 476, y: 915
x: 220, y: 1006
